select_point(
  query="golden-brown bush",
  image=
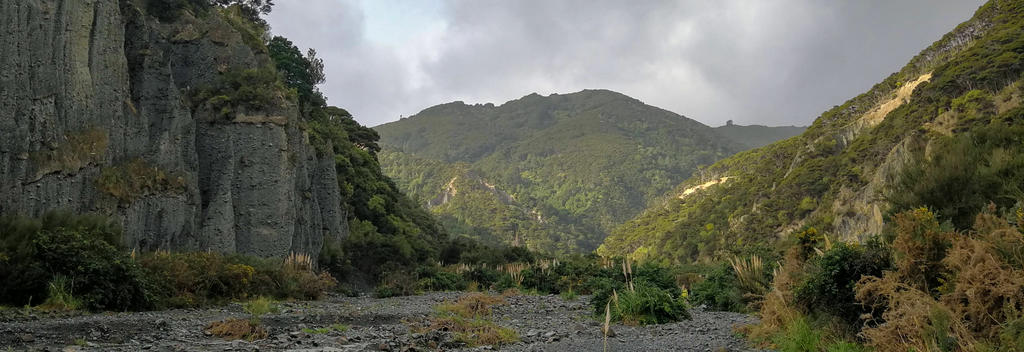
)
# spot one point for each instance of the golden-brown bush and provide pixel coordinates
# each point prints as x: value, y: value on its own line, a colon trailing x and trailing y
x: 919, y: 247
x: 983, y: 287
x: 948, y: 291
x: 777, y: 308
x: 908, y: 319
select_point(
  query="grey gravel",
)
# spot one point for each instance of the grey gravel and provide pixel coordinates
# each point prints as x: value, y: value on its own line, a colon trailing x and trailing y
x: 544, y: 323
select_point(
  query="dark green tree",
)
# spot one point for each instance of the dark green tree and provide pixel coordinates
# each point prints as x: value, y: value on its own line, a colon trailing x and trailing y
x: 302, y: 73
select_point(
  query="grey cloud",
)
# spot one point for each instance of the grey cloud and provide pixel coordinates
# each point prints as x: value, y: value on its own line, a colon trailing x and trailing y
x: 768, y: 62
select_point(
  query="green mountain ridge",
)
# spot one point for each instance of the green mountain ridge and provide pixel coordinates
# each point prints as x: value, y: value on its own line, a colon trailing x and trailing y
x: 756, y: 136
x: 553, y: 173
x: 943, y: 132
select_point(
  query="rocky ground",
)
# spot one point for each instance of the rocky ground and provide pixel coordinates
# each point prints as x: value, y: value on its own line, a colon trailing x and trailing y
x: 544, y: 323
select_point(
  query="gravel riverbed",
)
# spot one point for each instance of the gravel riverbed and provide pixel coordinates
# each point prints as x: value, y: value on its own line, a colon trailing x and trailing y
x: 544, y: 323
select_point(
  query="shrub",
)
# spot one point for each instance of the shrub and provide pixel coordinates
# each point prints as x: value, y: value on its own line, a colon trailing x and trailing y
x: 484, y: 276
x: 964, y: 173
x: 242, y: 91
x: 397, y: 283
x: 983, y: 286
x: 601, y: 283
x: 170, y: 10
x: 385, y: 291
x: 104, y: 277
x: 919, y: 247
x: 79, y: 254
x: 504, y: 283
x: 648, y: 304
x: 432, y: 278
x: 540, y: 280
x: 719, y: 290
x: 196, y: 279
x: 657, y: 276
x: 913, y: 320
x: 830, y: 282
x: 252, y: 29
x: 83, y: 248
x: 603, y: 288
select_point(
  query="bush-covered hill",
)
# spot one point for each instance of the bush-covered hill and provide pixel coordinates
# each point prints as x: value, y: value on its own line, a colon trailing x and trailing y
x: 558, y: 171
x: 755, y: 136
x: 944, y: 132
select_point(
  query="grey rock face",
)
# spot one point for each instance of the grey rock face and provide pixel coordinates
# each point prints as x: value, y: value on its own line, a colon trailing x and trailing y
x: 89, y: 85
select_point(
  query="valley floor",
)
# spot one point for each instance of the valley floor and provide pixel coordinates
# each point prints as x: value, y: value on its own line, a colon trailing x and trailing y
x: 544, y: 323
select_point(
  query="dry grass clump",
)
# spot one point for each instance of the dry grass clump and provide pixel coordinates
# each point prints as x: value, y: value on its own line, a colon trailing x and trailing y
x: 472, y: 305
x: 137, y: 178
x: 237, y: 329
x: 468, y: 319
x: 475, y: 332
x: 511, y: 292
x: 72, y: 152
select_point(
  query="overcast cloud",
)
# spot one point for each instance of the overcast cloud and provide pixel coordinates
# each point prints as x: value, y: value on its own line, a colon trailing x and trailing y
x: 774, y: 62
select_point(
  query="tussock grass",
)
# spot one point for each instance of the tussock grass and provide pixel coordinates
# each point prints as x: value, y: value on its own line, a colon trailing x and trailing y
x: 137, y: 178
x: 469, y: 319
x: 60, y: 297
x: 298, y: 261
x: 472, y: 305
x: 645, y: 305
x: 248, y: 329
x: 260, y: 306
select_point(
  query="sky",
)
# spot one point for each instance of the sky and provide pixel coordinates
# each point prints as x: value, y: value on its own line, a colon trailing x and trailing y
x: 769, y: 62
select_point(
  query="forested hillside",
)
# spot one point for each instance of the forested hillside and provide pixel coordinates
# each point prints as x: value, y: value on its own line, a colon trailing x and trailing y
x: 754, y: 136
x: 944, y: 132
x: 558, y: 172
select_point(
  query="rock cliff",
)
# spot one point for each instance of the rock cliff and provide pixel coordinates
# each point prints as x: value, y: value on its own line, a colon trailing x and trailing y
x: 95, y: 117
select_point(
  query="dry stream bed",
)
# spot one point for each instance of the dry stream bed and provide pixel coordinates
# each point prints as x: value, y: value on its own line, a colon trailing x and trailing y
x: 544, y: 323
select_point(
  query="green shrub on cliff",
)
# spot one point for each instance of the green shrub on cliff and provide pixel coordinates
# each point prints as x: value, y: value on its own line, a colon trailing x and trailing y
x: 243, y: 91
x: 137, y: 178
